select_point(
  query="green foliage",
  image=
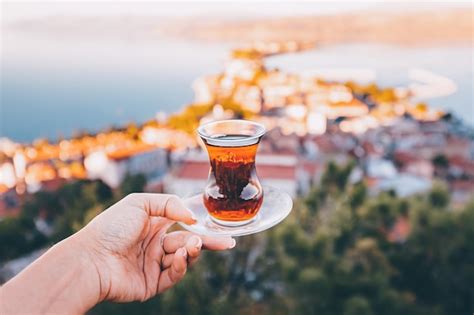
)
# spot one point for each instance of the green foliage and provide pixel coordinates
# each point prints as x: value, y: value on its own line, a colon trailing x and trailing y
x: 357, y: 195
x: 357, y: 305
x: 188, y: 119
x: 437, y: 260
x: 239, y: 111
x: 133, y: 184
x: 17, y: 237
x: 335, y: 178
x: 378, y: 94
x: 386, y: 95
x: 246, y: 54
x: 438, y: 197
x: 332, y: 255
x: 65, y: 211
x: 74, y: 200
x: 132, y: 131
x: 441, y: 161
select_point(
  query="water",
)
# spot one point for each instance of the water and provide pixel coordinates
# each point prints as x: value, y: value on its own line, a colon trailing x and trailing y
x: 54, y: 86
x: 392, y: 65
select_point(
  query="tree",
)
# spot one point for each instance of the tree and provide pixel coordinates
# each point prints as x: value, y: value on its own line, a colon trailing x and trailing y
x: 440, y: 161
x: 438, y: 197
x: 332, y: 255
x: 133, y: 184
x: 437, y: 260
x: 65, y: 211
x: 357, y: 305
x: 18, y: 236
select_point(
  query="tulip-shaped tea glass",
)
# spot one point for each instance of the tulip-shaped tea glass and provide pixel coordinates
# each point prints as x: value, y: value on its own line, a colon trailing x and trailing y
x: 233, y: 194
x: 234, y: 202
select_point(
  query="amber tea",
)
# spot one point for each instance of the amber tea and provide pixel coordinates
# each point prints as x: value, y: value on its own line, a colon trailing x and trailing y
x: 233, y: 194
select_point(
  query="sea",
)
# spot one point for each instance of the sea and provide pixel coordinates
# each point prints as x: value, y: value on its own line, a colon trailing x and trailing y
x: 55, y: 86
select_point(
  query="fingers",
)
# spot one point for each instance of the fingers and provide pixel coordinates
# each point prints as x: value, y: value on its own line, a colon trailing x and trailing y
x: 175, y: 272
x: 173, y: 241
x: 218, y: 242
x: 193, y: 248
x: 158, y: 226
x: 183, y: 249
x: 151, y: 267
x: 168, y: 259
x: 162, y: 205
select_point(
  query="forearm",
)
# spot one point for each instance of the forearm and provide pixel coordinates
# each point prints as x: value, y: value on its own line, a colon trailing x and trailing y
x: 62, y: 281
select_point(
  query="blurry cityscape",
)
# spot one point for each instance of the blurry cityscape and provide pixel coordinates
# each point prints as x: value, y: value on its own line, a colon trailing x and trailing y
x: 383, y: 187
x: 397, y: 144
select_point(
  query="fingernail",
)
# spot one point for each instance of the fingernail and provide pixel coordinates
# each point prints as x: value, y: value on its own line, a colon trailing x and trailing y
x: 196, y: 242
x: 182, y: 252
x: 232, y: 245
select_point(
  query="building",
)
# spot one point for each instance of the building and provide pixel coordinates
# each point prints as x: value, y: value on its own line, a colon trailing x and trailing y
x: 411, y: 163
x: 461, y: 167
x: 204, y: 89
x: 380, y: 168
x: 242, y: 68
x: 462, y: 191
x: 404, y: 185
x: 400, y: 230
x: 276, y: 95
x: 279, y: 171
x: 112, y: 168
x: 353, y: 108
x: 458, y: 147
x: 166, y: 138
x: 249, y: 97
x: 7, y: 175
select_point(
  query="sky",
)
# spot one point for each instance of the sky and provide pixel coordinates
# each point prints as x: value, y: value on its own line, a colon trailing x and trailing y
x: 19, y: 10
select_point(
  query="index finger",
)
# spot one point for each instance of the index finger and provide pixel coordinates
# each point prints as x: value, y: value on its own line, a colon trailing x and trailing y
x: 162, y: 205
x: 174, y: 240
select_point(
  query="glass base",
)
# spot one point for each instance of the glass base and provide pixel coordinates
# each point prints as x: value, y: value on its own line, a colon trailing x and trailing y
x: 275, y: 208
x: 233, y: 223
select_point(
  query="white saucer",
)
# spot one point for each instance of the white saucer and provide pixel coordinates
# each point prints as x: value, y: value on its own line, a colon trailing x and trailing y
x: 276, y: 206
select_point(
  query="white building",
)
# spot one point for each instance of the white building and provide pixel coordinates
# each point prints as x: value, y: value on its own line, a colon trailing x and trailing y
x: 249, y: 96
x: 405, y: 184
x: 7, y: 175
x: 380, y: 168
x: 242, y: 68
x: 152, y: 163
x: 204, y: 89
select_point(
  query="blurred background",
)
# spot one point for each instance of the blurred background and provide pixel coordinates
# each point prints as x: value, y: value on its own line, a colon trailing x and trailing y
x: 369, y: 108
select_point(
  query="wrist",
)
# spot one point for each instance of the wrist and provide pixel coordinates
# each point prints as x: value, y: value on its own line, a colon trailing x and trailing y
x: 85, y: 290
x: 62, y: 281
x: 93, y: 262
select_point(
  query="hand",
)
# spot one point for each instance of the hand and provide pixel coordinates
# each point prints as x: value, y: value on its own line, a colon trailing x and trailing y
x: 134, y: 257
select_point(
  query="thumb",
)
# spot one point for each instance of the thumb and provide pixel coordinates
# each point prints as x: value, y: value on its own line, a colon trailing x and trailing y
x: 162, y: 205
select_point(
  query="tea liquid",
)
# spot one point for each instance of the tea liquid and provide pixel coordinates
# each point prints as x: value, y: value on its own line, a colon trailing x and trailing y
x: 233, y: 192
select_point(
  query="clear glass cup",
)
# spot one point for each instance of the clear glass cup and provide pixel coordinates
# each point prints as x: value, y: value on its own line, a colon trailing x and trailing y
x: 233, y: 194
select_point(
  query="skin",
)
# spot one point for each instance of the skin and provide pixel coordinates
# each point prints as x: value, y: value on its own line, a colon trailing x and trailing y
x: 124, y: 254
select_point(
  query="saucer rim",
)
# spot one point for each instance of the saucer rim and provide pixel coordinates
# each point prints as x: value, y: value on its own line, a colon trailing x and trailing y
x: 191, y: 228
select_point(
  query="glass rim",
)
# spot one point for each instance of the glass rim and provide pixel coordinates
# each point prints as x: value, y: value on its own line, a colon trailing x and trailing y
x: 260, y: 130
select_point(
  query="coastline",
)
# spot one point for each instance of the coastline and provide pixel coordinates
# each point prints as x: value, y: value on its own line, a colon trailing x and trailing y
x: 140, y: 32
x: 406, y: 29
